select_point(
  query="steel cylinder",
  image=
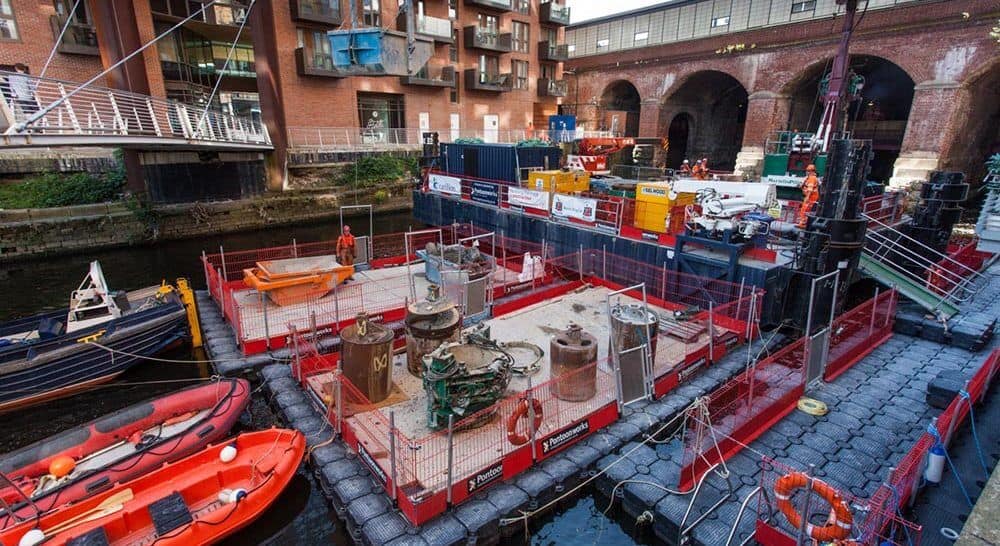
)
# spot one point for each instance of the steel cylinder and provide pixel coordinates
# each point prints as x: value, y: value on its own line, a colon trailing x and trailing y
x: 366, y: 357
x: 429, y: 323
x: 631, y: 326
x: 571, y: 352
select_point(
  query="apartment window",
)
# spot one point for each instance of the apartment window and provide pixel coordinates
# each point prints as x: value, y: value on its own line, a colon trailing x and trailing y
x: 453, y: 46
x: 801, y: 7
x: 373, y: 13
x: 548, y: 71
x: 453, y: 9
x: 551, y: 35
x: 603, y: 43
x: 489, y: 24
x: 8, y: 25
x: 522, y: 6
x: 571, y: 48
x: 641, y: 36
x: 453, y: 95
x: 520, y: 70
x: 521, y: 36
x: 720, y: 22
x: 379, y: 112
x: 489, y: 68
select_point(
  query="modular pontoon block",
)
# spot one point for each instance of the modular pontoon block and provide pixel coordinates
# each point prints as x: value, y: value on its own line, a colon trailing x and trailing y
x: 445, y: 530
x: 380, y: 530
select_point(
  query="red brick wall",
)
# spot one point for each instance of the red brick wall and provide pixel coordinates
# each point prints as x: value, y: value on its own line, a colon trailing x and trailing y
x: 37, y: 39
x: 312, y: 101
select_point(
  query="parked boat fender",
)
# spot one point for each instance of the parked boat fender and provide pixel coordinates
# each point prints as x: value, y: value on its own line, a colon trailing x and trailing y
x: 61, y: 466
x: 935, y: 464
x: 837, y: 527
x: 228, y: 453
x: 32, y: 537
x: 521, y: 410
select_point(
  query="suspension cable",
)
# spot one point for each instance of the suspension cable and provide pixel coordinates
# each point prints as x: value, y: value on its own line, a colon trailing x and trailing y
x: 44, y: 111
x: 222, y: 73
x: 55, y: 46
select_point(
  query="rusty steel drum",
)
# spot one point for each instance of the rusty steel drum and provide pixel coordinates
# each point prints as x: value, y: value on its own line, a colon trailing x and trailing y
x: 429, y: 323
x: 366, y: 357
x: 571, y: 352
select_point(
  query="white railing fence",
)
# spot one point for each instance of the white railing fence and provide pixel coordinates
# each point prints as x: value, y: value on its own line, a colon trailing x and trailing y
x: 362, y: 138
x: 44, y: 106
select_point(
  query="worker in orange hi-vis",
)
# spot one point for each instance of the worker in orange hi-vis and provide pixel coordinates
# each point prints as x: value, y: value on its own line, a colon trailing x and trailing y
x: 346, y: 250
x: 699, y: 172
x: 686, y: 168
x: 810, y: 194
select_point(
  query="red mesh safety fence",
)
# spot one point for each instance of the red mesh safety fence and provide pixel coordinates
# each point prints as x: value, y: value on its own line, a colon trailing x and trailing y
x: 902, y: 485
x: 484, y: 447
x: 750, y: 403
x: 858, y: 331
x: 886, y: 208
x: 962, y: 262
x: 786, y: 489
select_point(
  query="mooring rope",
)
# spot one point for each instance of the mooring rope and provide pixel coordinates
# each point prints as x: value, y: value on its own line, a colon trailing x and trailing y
x: 166, y: 360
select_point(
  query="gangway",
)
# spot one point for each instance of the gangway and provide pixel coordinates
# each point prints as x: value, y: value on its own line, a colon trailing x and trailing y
x: 74, y: 115
x: 884, y: 244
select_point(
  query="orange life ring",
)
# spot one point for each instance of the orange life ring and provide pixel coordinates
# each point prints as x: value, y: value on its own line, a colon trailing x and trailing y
x: 521, y: 410
x: 837, y: 527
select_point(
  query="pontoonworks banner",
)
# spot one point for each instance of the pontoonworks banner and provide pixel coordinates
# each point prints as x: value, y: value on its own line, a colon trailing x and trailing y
x: 580, y: 208
x: 486, y: 193
x: 521, y: 197
x: 445, y: 184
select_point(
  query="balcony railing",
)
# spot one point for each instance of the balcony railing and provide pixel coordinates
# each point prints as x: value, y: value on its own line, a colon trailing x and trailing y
x: 437, y: 77
x: 223, y: 12
x: 553, y: 13
x: 316, y: 11
x: 478, y: 38
x: 552, y: 88
x: 315, y: 63
x: 440, y: 30
x: 548, y: 51
x: 79, y: 39
x: 500, y: 5
x: 484, y: 81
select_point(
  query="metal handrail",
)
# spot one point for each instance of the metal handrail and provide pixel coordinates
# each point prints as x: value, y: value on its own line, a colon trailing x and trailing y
x: 961, y: 289
x: 759, y: 490
x: 683, y: 531
x: 65, y: 108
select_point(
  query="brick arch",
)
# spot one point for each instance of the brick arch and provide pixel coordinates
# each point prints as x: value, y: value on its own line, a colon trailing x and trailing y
x: 696, y: 70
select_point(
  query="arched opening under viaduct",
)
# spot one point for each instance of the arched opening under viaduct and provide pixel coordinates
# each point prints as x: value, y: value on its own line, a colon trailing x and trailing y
x: 880, y: 114
x: 978, y: 137
x: 620, y: 106
x: 714, y: 106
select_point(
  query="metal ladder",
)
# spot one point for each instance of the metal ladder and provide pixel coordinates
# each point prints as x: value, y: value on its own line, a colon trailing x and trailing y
x: 683, y: 536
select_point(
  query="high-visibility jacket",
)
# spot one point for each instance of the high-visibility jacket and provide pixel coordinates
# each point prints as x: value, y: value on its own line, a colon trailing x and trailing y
x: 345, y: 242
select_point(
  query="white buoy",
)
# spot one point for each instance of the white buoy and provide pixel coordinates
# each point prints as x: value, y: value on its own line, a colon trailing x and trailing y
x: 32, y: 537
x: 228, y: 453
x: 229, y: 496
x: 935, y: 464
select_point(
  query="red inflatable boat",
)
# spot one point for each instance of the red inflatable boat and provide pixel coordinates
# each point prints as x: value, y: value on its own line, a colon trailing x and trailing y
x: 197, y: 500
x: 120, y: 446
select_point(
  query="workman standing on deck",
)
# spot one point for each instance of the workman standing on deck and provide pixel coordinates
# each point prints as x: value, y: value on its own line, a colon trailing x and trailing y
x: 810, y: 194
x: 346, y: 249
x: 699, y: 172
x: 686, y: 169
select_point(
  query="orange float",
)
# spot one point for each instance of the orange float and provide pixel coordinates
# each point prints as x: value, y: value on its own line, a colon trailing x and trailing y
x: 61, y: 466
x: 521, y: 410
x: 837, y: 527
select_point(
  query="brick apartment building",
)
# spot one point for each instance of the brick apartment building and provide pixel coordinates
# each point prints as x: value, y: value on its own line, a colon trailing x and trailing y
x: 496, y: 64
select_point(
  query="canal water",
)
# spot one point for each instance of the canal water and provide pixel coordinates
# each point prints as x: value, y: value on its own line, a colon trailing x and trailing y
x: 301, y: 515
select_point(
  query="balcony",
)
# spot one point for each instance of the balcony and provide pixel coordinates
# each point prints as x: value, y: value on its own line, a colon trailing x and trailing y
x: 478, y: 38
x: 230, y: 13
x: 499, y: 5
x: 439, y: 30
x: 326, y: 12
x: 552, y: 88
x: 439, y: 77
x: 552, y: 13
x: 313, y: 63
x: 553, y: 52
x: 493, y: 83
x: 80, y: 38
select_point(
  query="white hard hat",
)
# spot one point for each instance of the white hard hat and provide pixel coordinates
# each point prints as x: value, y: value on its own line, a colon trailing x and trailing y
x: 686, y: 161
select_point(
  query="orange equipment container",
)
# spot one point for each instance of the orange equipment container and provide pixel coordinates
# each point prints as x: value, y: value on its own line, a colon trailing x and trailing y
x: 295, y: 280
x: 197, y: 500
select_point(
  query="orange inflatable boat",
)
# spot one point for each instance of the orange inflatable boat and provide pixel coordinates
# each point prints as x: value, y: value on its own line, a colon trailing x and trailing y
x: 197, y: 500
x: 295, y: 280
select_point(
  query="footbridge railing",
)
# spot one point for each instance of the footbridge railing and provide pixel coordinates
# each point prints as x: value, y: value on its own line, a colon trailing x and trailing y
x: 45, y: 112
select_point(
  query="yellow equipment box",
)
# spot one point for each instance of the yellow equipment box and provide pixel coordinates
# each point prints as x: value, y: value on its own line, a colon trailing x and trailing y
x: 559, y: 181
x: 654, y: 204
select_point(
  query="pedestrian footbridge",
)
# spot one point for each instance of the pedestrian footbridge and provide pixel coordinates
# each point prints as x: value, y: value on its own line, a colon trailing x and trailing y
x: 45, y: 112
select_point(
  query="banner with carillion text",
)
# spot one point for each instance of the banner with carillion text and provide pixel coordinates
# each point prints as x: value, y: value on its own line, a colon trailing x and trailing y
x: 569, y: 206
x: 445, y: 184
